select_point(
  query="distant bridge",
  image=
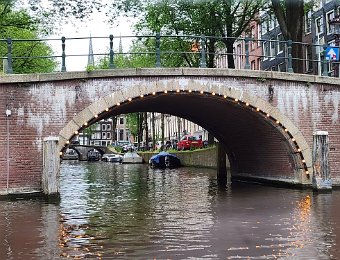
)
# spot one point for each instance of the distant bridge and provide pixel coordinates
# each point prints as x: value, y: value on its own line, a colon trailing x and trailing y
x: 82, y: 150
x: 264, y: 120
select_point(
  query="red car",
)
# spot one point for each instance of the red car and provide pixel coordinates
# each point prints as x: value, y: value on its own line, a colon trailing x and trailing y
x: 189, y: 142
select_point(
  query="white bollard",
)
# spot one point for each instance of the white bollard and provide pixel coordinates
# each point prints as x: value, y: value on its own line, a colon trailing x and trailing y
x: 51, y: 165
x: 321, y: 173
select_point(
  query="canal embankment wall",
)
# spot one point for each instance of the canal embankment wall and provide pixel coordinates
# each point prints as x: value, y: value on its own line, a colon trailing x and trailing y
x: 206, y: 158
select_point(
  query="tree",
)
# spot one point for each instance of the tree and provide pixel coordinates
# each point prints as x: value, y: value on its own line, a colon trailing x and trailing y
x: 88, y: 131
x: 223, y: 19
x: 289, y: 14
x: 20, y: 25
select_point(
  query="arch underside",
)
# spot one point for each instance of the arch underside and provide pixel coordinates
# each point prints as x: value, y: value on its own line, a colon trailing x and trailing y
x: 255, y: 146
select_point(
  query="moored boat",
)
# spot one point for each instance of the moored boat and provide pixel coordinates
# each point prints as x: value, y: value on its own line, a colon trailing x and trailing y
x: 112, y: 157
x: 93, y: 155
x: 164, y: 160
x: 132, y: 157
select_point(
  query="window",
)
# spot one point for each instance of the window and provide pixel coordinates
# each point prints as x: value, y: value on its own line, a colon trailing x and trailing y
x: 309, y: 58
x: 266, y: 53
x: 329, y: 17
x: 103, y: 135
x: 121, y: 120
x: 239, y: 56
x: 318, y: 25
x: 281, y: 42
x: 264, y: 27
x: 273, y: 48
x: 253, y: 37
x: 252, y: 65
x: 108, y: 135
x: 121, y: 134
x: 103, y: 127
x: 96, y: 136
x: 272, y: 23
x: 108, y: 127
x: 308, y: 21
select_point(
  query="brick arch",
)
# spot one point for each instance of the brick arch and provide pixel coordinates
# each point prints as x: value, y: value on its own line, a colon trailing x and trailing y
x: 295, y: 141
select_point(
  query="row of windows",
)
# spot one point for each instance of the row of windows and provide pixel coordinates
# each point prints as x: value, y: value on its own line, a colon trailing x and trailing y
x: 108, y: 135
x: 273, y: 47
x: 270, y: 23
x: 319, y: 27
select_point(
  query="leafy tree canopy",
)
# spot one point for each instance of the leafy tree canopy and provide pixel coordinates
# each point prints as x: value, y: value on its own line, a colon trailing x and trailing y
x: 221, y: 18
x: 18, y: 24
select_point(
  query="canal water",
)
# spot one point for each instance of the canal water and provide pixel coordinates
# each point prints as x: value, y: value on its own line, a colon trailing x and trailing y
x: 115, y: 211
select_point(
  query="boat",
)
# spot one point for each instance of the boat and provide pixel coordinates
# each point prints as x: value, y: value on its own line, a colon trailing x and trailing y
x: 112, y: 157
x: 70, y: 154
x: 132, y: 157
x: 164, y: 160
x: 93, y: 155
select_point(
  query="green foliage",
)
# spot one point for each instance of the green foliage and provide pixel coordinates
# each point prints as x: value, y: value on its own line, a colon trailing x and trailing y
x: 90, y: 68
x: 20, y: 25
x: 217, y: 18
x: 132, y: 123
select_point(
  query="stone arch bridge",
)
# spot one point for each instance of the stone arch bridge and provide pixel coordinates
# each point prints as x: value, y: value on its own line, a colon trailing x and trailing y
x: 265, y: 121
x: 83, y: 150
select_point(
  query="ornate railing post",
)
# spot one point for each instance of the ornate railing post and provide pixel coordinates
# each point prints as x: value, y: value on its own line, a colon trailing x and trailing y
x: 63, y: 55
x: 246, y: 42
x: 111, y: 64
x: 158, y: 50
x: 290, y: 60
x: 324, y: 62
x: 203, y: 61
x: 9, y: 69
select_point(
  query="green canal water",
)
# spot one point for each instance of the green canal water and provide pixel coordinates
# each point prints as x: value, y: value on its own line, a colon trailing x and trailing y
x: 115, y: 211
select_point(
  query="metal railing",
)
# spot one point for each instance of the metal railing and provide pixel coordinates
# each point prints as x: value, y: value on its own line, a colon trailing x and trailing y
x: 245, y: 52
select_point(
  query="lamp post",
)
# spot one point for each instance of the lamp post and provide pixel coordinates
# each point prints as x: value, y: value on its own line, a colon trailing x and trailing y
x: 335, y: 23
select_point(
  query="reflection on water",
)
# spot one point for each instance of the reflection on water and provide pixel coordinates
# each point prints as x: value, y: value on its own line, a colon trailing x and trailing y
x: 132, y: 212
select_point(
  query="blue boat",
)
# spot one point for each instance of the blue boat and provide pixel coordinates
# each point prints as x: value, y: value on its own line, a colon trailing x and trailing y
x: 164, y: 160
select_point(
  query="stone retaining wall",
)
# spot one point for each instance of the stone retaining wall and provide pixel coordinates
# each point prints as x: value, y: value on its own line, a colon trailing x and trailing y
x: 206, y: 158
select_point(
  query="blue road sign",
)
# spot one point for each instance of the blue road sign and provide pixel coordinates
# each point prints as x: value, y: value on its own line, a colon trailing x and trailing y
x: 332, y: 53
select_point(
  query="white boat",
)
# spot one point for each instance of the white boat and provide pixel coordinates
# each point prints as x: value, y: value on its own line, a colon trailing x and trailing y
x: 132, y: 157
x: 112, y: 157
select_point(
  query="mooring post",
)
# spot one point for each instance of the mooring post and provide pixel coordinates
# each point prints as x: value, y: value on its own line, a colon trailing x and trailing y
x: 51, y: 164
x: 321, y: 174
x: 222, y: 173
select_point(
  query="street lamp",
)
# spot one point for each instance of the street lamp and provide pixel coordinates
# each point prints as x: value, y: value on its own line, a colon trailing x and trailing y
x: 335, y: 23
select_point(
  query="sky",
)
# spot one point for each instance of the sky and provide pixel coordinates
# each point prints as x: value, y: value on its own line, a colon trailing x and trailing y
x: 96, y: 27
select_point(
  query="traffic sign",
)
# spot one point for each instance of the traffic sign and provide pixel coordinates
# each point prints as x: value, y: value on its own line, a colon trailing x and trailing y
x: 332, y: 53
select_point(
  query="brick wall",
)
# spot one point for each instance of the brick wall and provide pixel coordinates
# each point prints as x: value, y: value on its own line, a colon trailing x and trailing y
x: 42, y: 107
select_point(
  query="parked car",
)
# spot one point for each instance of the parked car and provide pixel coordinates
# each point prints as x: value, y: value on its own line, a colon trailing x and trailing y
x: 189, y: 142
x: 129, y: 147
